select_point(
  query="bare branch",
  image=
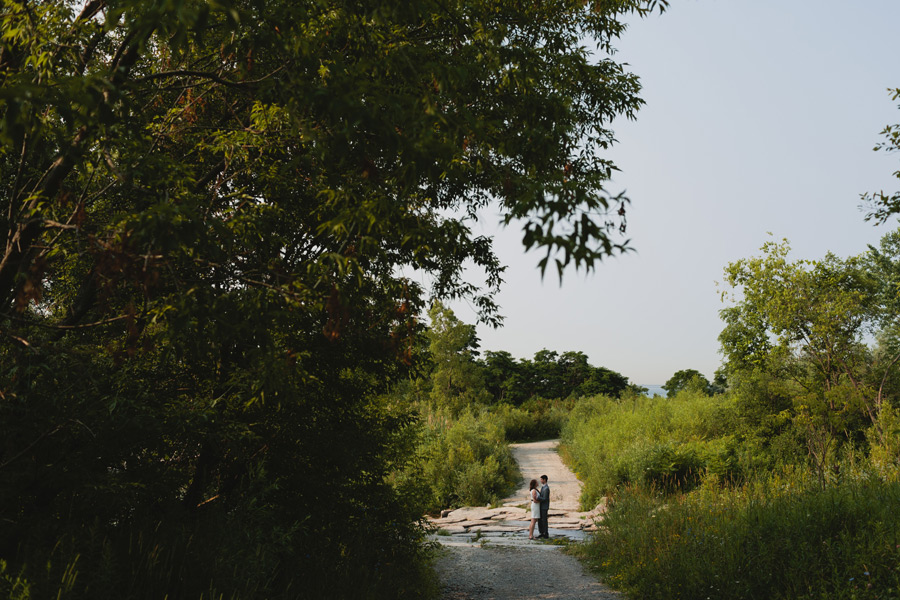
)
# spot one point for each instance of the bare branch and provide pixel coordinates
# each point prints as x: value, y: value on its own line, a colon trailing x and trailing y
x: 207, y: 75
x: 31, y: 445
x: 50, y: 224
x: 67, y: 327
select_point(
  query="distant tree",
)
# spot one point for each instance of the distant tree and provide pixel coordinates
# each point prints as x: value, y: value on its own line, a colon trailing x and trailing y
x: 550, y: 375
x: 719, y: 383
x: 574, y: 369
x: 502, y: 377
x: 547, y: 376
x: 457, y: 378
x: 686, y: 379
x: 605, y: 381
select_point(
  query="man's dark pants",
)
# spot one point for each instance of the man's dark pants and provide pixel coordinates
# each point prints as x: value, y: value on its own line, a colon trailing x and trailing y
x: 543, y: 526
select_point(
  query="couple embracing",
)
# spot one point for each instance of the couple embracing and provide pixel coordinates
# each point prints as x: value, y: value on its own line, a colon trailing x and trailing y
x: 540, y: 506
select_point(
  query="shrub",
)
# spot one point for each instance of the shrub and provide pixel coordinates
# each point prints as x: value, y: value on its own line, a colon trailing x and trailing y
x: 536, y: 419
x: 465, y: 462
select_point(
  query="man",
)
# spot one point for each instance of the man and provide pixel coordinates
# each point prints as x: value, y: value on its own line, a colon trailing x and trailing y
x: 544, y: 497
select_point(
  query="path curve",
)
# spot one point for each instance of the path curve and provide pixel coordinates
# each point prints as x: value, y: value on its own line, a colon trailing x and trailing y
x: 487, y: 555
x: 541, y: 458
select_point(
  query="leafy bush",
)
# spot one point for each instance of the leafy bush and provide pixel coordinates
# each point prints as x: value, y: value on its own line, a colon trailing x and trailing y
x: 884, y: 441
x: 463, y: 462
x: 536, y: 419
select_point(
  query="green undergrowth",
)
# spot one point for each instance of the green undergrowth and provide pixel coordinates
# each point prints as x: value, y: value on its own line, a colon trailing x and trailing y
x: 668, y: 443
x: 709, y: 501
x: 534, y: 420
x: 460, y: 461
x: 782, y: 537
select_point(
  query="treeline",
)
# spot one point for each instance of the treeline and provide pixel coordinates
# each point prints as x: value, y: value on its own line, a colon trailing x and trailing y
x: 456, y: 373
x: 779, y: 486
x: 548, y: 375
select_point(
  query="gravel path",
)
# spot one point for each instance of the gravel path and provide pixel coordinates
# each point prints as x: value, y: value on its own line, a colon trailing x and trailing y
x: 508, y: 573
x: 488, y: 555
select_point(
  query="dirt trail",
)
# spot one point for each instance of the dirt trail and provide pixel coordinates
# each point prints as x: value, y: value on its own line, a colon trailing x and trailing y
x: 540, y: 458
x: 487, y: 554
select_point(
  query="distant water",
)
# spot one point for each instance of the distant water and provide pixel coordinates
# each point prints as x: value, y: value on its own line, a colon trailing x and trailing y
x: 653, y: 389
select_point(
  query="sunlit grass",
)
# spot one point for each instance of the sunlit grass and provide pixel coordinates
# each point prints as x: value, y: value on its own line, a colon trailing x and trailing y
x: 781, y: 537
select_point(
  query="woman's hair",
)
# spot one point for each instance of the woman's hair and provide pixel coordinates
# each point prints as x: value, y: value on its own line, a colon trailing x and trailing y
x: 532, y: 485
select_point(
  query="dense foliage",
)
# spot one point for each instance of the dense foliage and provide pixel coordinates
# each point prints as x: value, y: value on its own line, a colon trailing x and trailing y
x: 548, y: 375
x: 207, y: 210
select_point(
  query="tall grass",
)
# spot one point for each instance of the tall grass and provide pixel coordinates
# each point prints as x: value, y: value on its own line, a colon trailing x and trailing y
x: 536, y: 419
x: 664, y: 442
x: 782, y: 537
x: 697, y: 509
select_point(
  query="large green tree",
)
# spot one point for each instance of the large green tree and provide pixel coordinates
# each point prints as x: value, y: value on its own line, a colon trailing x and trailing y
x: 207, y: 210
x: 808, y: 324
x: 456, y: 378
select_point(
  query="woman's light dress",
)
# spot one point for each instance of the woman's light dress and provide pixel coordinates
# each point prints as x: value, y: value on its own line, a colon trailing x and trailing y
x: 535, y: 506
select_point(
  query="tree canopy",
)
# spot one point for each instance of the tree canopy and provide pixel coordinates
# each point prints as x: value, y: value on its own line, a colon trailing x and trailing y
x: 687, y: 379
x: 207, y: 209
x: 803, y: 328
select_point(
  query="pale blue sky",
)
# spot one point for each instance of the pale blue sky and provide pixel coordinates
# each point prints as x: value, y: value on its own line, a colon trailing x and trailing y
x: 761, y: 117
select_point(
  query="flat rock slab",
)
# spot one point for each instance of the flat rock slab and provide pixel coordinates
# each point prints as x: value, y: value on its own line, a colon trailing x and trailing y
x: 567, y: 521
x: 572, y: 526
x: 467, y: 514
x: 497, y: 528
x: 451, y: 529
x: 474, y: 523
x: 506, y: 512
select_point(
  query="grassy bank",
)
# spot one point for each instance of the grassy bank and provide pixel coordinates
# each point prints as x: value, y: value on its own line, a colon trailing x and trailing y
x: 702, y: 506
x: 660, y: 442
x: 778, y: 538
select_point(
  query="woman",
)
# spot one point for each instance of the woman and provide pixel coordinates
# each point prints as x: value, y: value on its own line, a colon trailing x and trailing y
x: 535, y: 507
